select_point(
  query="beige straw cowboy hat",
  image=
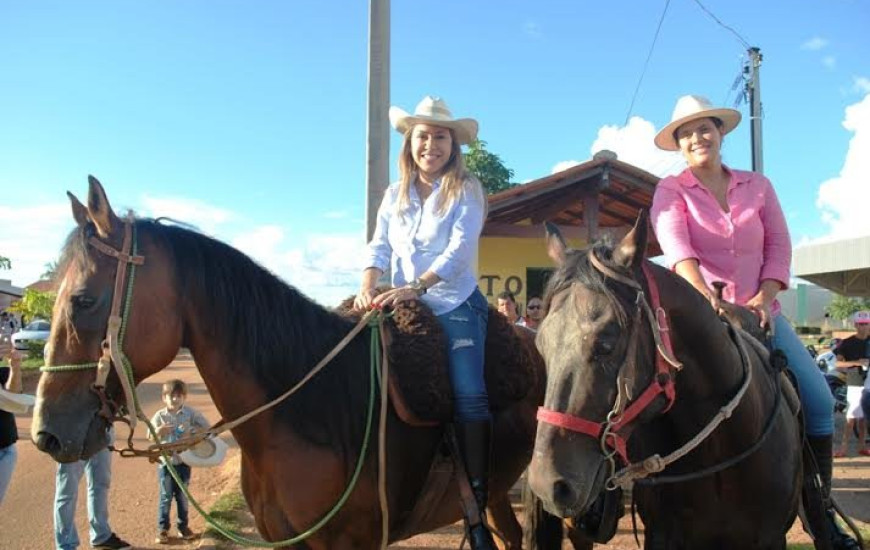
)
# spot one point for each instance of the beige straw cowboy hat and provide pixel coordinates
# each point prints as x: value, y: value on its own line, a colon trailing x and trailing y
x: 434, y: 110
x: 205, y: 454
x: 693, y: 107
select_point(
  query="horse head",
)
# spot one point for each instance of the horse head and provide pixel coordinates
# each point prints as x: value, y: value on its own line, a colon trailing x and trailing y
x: 94, y: 309
x: 598, y: 345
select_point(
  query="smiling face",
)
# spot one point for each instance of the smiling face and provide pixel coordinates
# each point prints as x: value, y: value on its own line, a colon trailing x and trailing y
x: 700, y: 141
x: 431, y: 147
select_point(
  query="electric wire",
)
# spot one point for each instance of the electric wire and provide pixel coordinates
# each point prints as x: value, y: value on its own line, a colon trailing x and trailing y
x: 716, y: 19
x: 646, y: 63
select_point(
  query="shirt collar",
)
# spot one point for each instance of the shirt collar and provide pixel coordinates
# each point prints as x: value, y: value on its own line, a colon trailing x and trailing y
x: 688, y: 178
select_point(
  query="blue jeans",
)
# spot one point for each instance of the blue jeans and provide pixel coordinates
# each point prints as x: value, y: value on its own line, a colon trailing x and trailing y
x: 8, y: 457
x: 99, y: 474
x: 169, y: 488
x: 465, y: 328
x: 816, y: 398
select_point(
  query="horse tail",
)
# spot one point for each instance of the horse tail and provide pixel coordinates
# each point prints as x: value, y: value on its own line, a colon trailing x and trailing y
x: 543, y: 530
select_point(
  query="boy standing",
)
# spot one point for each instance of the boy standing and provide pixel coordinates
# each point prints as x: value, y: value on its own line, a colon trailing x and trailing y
x: 172, y: 423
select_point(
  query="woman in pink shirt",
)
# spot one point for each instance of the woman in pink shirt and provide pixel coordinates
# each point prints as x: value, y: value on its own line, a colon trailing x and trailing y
x: 715, y: 223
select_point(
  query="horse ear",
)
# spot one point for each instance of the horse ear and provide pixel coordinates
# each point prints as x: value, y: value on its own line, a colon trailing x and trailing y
x: 79, y: 211
x: 631, y: 250
x: 556, y: 246
x: 99, y: 209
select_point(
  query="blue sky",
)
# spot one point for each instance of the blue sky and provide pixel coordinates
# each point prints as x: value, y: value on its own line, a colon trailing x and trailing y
x: 247, y: 119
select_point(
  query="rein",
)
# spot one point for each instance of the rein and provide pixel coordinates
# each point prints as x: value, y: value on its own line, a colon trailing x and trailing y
x: 608, y: 431
x: 112, y: 354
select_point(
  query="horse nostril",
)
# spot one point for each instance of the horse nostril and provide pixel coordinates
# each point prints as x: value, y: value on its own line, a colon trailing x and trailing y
x: 563, y: 494
x: 48, y: 443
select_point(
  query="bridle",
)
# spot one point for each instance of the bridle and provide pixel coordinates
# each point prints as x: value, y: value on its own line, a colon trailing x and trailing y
x: 609, y: 432
x: 112, y: 352
x: 612, y: 432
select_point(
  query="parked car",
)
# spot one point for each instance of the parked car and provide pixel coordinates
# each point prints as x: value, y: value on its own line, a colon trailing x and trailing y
x: 35, y: 331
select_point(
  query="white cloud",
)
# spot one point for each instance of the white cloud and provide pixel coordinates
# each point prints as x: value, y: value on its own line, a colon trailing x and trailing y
x: 815, y: 43
x: 829, y: 61
x: 31, y: 237
x: 203, y: 216
x: 861, y: 85
x: 564, y: 165
x: 336, y: 215
x: 846, y: 216
x: 633, y: 143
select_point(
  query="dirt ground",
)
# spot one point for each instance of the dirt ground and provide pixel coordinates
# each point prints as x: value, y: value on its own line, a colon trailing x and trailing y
x: 26, y: 513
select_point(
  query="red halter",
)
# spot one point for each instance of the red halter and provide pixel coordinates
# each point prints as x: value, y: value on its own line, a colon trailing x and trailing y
x: 609, y: 432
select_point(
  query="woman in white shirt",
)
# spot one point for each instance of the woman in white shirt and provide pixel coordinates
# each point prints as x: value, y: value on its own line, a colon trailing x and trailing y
x: 427, y: 233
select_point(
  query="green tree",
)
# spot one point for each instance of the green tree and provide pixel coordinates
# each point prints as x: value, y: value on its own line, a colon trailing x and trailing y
x: 5, y: 263
x: 842, y: 307
x: 50, y: 271
x: 34, y: 304
x: 488, y: 168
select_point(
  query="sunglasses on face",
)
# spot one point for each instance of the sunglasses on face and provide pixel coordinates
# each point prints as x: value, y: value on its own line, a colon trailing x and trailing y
x: 533, y: 307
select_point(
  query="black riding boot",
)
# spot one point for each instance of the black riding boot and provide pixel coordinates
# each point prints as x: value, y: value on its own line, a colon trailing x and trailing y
x: 823, y: 447
x: 473, y: 439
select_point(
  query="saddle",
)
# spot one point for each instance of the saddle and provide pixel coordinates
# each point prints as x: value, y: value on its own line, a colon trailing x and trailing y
x: 419, y: 380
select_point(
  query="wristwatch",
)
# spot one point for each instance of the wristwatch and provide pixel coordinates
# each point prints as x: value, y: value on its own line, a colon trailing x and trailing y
x: 417, y: 286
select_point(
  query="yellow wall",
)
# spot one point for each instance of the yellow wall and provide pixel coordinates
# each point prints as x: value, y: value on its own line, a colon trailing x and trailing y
x: 502, y: 264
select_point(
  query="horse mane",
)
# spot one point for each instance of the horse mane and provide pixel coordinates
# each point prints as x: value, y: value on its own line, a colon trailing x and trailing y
x: 576, y: 268
x: 266, y: 330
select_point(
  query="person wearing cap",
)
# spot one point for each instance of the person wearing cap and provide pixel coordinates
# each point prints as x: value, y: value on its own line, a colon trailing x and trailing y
x: 427, y: 232
x: 852, y: 360
x: 716, y: 223
x: 10, y: 380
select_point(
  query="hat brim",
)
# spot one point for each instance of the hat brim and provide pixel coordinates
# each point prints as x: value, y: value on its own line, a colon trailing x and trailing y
x: 197, y: 458
x: 665, y: 138
x: 16, y: 403
x: 465, y: 129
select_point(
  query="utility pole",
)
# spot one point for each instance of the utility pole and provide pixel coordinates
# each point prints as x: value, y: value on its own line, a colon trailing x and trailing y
x: 378, y: 137
x: 753, y: 91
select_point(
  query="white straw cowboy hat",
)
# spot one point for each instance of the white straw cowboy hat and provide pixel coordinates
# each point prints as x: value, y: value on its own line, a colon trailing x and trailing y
x: 16, y: 403
x: 433, y: 110
x: 693, y: 107
x: 205, y: 454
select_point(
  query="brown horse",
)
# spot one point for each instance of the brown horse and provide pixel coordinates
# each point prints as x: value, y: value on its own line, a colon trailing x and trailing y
x: 252, y: 337
x: 616, y: 396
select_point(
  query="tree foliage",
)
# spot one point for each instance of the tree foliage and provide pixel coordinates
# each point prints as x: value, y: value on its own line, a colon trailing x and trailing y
x: 34, y: 304
x: 50, y: 271
x: 5, y: 263
x: 488, y: 168
x: 842, y: 307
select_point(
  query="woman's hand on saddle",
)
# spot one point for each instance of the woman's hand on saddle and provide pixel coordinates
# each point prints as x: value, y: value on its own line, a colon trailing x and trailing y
x: 363, y: 300
x: 761, y: 306
x: 393, y: 296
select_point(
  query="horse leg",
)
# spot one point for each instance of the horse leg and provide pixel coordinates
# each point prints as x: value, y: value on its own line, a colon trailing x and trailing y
x: 502, y: 516
x: 578, y: 540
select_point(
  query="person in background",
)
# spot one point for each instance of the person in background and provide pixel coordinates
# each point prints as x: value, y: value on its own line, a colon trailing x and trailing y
x: 852, y: 359
x: 507, y: 306
x: 534, y: 313
x: 98, y: 470
x: 10, y: 378
x: 174, y: 422
x: 715, y: 223
x: 427, y: 233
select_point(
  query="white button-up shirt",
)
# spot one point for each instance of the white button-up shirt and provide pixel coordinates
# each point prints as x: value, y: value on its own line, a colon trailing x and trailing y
x: 419, y: 240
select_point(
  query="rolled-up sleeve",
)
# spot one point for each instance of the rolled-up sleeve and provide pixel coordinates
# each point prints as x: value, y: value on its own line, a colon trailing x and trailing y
x: 464, y: 234
x: 379, y: 251
x: 670, y: 222
x: 777, y: 241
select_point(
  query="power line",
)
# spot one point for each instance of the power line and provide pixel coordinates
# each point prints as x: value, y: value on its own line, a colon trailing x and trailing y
x: 716, y: 19
x: 646, y: 63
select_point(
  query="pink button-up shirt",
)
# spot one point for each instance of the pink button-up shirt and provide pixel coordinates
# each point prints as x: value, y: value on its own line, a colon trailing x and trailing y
x: 741, y: 247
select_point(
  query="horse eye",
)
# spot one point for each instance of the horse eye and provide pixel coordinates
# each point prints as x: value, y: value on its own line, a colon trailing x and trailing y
x: 82, y: 302
x: 604, y: 347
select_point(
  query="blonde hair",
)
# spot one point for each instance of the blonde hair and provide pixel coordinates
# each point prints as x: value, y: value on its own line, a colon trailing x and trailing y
x: 455, y: 179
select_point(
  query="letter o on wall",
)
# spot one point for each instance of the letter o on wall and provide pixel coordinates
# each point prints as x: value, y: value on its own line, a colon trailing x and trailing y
x: 514, y: 285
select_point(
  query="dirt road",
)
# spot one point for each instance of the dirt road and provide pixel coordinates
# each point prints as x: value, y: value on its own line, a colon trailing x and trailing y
x: 26, y: 513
